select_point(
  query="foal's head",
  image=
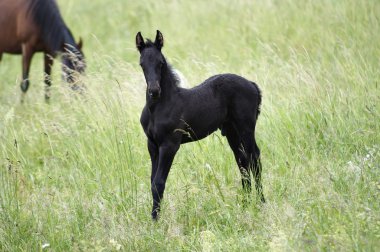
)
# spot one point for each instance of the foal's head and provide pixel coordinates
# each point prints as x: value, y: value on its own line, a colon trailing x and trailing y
x: 151, y: 62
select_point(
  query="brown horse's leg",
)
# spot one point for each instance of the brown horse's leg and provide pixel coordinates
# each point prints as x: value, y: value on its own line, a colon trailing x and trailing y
x: 27, y: 54
x: 48, y: 62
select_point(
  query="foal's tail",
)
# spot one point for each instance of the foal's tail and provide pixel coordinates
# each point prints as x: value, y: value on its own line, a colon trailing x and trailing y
x: 258, y: 99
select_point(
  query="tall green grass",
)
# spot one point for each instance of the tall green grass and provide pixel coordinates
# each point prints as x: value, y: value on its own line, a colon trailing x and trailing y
x: 74, y: 173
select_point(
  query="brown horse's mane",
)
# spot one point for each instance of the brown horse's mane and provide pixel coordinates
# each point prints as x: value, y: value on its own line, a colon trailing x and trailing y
x: 54, y: 31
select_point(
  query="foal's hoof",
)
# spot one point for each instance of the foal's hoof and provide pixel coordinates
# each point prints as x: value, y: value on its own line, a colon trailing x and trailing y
x: 155, y: 215
x: 262, y: 199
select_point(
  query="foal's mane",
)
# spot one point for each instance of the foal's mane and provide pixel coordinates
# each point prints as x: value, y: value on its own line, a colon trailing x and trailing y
x: 169, y: 74
x: 53, y: 29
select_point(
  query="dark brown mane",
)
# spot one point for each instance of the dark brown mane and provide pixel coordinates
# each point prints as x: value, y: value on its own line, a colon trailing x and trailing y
x: 54, y: 31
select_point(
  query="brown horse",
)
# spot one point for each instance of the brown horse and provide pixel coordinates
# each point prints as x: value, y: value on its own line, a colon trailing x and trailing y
x: 29, y: 26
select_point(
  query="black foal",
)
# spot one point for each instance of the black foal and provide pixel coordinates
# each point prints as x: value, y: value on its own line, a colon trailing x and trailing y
x: 174, y: 115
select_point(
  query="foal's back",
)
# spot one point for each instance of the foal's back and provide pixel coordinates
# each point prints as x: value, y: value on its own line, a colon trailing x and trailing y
x: 224, y: 90
x: 220, y: 98
x: 227, y: 86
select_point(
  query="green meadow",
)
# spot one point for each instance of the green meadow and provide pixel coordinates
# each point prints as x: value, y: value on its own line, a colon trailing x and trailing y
x: 75, y: 173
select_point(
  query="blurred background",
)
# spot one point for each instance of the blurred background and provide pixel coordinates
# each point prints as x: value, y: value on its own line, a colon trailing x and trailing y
x: 75, y: 172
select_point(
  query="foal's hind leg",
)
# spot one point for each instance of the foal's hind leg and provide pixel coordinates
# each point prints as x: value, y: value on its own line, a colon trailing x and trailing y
x: 252, y: 152
x: 256, y: 171
x: 234, y: 141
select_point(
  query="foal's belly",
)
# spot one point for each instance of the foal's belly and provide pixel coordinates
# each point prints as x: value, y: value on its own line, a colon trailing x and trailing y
x: 203, y: 123
x: 190, y: 135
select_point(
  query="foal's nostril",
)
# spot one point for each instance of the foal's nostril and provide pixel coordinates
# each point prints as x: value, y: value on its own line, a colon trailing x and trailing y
x: 154, y: 93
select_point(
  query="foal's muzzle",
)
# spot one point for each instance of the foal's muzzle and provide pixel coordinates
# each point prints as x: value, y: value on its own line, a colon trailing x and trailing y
x: 154, y: 90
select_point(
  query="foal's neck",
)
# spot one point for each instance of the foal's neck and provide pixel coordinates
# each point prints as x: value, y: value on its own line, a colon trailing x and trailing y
x: 169, y: 81
x: 169, y: 86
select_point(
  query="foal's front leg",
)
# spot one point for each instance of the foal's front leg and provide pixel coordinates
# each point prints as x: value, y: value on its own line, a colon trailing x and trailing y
x: 153, y: 152
x: 166, y: 155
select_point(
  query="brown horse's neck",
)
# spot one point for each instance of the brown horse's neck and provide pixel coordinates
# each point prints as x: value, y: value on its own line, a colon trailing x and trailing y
x: 53, y: 29
x: 68, y: 41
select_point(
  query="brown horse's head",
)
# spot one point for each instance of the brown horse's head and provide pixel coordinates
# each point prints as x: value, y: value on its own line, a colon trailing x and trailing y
x: 73, y: 61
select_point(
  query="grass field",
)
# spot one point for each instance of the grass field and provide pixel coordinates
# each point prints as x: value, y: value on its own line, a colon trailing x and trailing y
x: 75, y: 173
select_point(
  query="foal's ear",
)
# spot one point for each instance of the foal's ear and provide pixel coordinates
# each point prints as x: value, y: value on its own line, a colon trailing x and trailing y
x: 159, y: 42
x: 140, y: 44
